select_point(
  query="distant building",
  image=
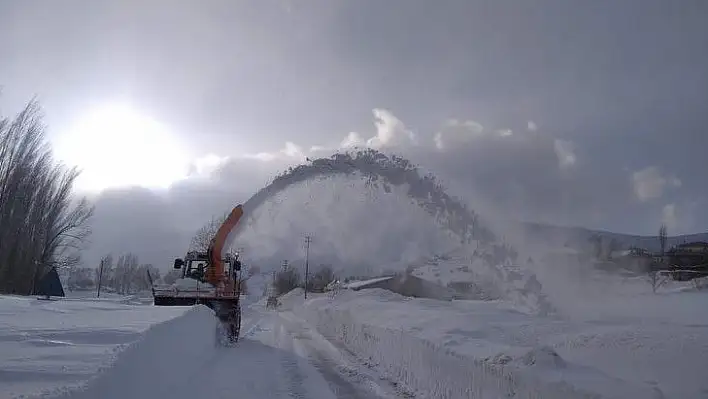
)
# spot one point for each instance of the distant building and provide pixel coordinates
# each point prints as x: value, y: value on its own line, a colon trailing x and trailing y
x: 697, y: 246
x: 688, y: 261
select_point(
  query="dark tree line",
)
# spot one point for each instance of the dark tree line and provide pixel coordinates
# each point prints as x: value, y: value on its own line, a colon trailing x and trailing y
x: 42, y: 225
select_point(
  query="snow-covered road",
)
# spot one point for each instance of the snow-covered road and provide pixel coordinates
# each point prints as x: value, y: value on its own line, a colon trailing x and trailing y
x: 278, y: 356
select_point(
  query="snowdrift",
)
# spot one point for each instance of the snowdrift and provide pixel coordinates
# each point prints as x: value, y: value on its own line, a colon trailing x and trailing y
x: 149, y: 367
x: 481, y: 349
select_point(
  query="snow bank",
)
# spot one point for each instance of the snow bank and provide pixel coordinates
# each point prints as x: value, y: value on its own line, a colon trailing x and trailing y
x: 166, y: 354
x: 291, y: 299
x: 489, y: 349
x: 426, y: 368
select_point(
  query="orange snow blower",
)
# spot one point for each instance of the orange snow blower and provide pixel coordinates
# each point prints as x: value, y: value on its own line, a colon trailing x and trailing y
x: 209, y: 278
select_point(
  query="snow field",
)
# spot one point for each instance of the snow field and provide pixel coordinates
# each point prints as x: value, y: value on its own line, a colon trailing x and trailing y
x: 50, y: 344
x: 427, y: 369
x: 149, y: 367
x: 483, y: 349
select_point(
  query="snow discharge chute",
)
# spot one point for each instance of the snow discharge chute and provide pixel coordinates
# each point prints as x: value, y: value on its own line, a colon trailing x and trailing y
x: 216, y: 247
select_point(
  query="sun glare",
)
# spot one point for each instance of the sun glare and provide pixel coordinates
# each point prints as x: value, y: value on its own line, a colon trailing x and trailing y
x: 116, y: 146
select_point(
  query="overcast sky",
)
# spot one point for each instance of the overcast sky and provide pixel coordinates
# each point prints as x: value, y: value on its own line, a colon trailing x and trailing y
x: 585, y: 113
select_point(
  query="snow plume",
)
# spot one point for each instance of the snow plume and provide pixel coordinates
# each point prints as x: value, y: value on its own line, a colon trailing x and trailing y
x: 408, y: 234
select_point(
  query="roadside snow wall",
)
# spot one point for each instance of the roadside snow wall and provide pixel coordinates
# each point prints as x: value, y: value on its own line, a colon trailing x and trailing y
x: 151, y: 367
x: 427, y: 369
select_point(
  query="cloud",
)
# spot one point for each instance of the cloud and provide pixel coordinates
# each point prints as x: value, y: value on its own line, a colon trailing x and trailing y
x: 390, y: 131
x: 290, y: 151
x: 649, y: 183
x: 668, y: 216
x: 206, y: 165
x: 531, y: 176
x: 455, y: 132
x: 523, y: 176
x: 531, y: 126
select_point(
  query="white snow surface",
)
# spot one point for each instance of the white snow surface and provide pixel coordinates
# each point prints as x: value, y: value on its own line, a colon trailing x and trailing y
x: 175, y: 354
x: 490, y: 349
x: 362, y: 344
x: 50, y: 344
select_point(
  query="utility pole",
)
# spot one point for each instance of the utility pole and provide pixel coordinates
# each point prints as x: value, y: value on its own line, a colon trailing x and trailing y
x: 308, y: 240
x: 100, y: 278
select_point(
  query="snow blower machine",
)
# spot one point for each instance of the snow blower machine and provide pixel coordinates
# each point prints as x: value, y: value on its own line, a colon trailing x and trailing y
x: 209, y: 278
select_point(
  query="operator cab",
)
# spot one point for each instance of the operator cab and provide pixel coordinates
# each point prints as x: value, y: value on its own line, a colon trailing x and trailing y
x: 196, y: 263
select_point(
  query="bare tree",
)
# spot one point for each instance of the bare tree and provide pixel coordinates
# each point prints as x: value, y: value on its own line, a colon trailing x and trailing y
x: 140, y: 279
x: 81, y: 278
x: 202, y: 238
x: 41, y: 224
x: 123, y: 280
x: 103, y: 272
x: 286, y: 280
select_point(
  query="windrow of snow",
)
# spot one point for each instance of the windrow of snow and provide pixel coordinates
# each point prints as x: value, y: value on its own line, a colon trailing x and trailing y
x: 166, y: 354
x: 480, y: 349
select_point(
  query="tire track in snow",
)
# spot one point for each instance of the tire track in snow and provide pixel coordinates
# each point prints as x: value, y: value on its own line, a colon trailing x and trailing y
x: 289, y: 363
x: 343, y: 379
